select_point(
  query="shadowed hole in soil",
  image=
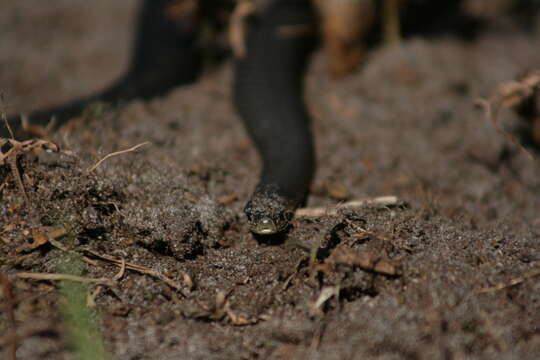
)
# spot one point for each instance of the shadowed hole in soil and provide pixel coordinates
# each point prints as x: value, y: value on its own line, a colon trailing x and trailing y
x: 353, y: 293
x: 104, y: 208
x: 97, y: 233
x: 187, y: 247
x: 274, y: 239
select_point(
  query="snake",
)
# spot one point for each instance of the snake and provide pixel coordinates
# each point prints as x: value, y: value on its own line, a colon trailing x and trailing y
x: 267, y: 93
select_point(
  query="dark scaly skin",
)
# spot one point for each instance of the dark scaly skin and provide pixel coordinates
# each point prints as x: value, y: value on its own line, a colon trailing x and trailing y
x: 268, y: 92
x: 164, y: 56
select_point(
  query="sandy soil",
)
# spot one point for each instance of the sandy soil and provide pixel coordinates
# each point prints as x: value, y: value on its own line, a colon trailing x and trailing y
x: 404, y: 125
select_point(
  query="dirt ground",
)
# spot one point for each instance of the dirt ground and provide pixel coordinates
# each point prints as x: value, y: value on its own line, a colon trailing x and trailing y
x: 404, y: 125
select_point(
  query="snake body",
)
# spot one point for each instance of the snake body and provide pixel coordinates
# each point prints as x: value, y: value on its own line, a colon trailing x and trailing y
x: 268, y: 93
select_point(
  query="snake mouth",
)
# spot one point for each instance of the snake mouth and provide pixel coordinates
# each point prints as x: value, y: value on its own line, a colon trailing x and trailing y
x: 265, y: 226
x: 268, y: 212
x: 268, y: 225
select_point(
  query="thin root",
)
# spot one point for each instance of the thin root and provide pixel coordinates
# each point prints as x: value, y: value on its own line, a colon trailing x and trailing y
x: 133, y: 148
x: 144, y: 270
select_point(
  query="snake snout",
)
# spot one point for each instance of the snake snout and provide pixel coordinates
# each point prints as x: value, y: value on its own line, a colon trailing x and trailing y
x: 268, y: 212
x: 265, y: 226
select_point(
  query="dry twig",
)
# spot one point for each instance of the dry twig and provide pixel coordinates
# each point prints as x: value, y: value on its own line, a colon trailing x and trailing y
x: 503, y: 285
x: 144, y: 270
x: 91, y: 298
x: 16, y: 149
x: 4, y: 117
x: 51, y: 276
x: 322, y: 211
x: 120, y: 274
x: 133, y: 148
x: 326, y: 294
x: 509, y: 94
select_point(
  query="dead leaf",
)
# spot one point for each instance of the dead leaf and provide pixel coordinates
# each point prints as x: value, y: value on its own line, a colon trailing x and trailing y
x: 9, y: 227
x: 39, y: 239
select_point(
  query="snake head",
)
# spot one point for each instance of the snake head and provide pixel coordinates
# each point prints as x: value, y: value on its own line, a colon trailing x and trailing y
x: 268, y: 212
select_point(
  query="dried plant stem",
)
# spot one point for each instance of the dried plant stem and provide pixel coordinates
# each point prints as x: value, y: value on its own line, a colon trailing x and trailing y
x: 50, y: 276
x: 528, y: 275
x: 4, y: 117
x: 133, y: 148
x: 144, y: 270
x: 322, y: 211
